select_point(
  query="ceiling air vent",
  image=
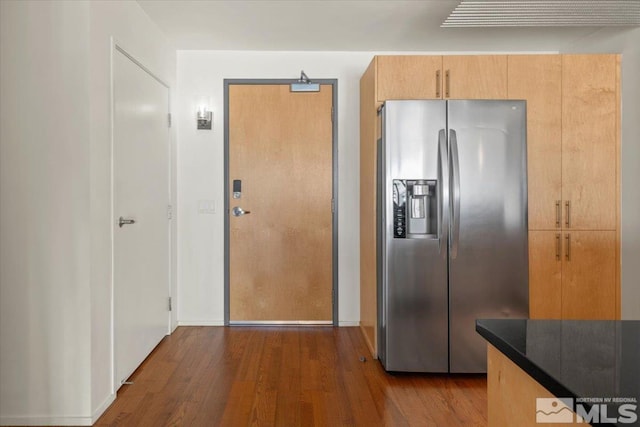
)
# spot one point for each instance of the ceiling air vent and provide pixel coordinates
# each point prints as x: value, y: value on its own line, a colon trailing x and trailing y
x: 545, y: 13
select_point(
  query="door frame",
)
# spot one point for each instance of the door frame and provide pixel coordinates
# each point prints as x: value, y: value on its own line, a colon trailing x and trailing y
x: 334, y: 188
x: 116, y: 47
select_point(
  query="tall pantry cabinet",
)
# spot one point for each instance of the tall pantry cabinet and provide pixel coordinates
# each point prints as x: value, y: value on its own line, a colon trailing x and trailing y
x: 573, y: 167
x: 573, y: 146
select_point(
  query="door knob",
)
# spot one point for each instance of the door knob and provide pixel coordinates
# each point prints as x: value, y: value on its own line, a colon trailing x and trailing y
x: 238, y: 211
x: 125, y: 221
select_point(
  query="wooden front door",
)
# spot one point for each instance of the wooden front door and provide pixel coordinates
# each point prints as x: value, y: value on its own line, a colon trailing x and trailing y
x: 280, y: 237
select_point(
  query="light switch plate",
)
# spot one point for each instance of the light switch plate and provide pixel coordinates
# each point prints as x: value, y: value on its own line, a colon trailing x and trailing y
x: 206, y: 207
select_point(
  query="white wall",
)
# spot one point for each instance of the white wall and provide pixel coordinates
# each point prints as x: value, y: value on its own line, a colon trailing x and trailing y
x: 44, y: 219
x: 201, y: 162
x: 55, y: 202
x: 627, y: 43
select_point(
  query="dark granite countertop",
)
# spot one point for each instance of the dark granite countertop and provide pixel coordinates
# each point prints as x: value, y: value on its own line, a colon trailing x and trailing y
x: 586, y: 360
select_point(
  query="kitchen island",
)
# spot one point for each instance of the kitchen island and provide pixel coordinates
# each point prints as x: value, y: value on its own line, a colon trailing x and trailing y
x: 562, y: 371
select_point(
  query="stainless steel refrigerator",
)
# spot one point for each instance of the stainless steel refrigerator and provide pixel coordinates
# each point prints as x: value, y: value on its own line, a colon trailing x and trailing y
x: 452, y: 229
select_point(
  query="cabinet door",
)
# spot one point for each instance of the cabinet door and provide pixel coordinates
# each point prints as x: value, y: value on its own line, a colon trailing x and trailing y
x: 537, y: 79
x: 545, y: 275
x: 475, y: 76
x: 589, y: 275
x: 589, y: 141
x: 409, y: 77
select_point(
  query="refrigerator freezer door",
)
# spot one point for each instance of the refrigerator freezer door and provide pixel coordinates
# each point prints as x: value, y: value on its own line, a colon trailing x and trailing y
x: 413, y: 279
x: 488, y: 278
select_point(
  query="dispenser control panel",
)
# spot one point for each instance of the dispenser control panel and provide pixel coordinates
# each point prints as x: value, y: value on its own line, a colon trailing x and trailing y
x: 399, y: 209
x: 414, y: 208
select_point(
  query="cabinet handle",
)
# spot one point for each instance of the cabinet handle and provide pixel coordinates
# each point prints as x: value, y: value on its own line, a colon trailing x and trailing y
x: 558, y: 248
x: 438, y: 84
x: 567, y: 221
x: 568, y: 253
x: 446, y: 84
x: 558, y: 214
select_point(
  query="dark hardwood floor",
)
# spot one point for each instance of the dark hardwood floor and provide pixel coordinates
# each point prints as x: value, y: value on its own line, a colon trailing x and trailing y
x: 264, y: 376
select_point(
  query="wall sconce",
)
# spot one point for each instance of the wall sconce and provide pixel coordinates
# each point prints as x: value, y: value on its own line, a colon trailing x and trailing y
x: 204, y: 117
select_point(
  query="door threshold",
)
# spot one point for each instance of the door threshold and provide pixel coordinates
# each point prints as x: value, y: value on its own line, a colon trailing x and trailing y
x: 280, y: 323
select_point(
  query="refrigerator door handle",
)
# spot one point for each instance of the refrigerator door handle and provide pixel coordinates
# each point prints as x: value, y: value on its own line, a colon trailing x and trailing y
x: 442, y: 164
x: 455, y: 199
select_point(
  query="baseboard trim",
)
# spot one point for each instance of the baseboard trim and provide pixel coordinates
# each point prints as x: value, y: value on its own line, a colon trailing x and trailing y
x: 103, y: 407
x: 200, y: 322
x: 45, y: 421
x: 73, y: 420
x: 369, y: 344
x: 345, y: 323
x: 348, y: 323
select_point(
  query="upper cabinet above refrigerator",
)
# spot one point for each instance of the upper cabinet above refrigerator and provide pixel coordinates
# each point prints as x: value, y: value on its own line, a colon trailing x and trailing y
x: 441, y: 77
x: 475, y: 76
x: 408, y: 77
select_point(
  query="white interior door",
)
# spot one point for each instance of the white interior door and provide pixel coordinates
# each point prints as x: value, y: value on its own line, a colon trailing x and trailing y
x: 141, y: 194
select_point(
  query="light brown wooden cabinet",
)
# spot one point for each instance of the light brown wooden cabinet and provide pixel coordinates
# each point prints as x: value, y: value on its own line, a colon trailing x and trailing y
x: 408, y: 77
x: 538, y: 80
x: 512, y: 394
x: 475, y: 76
x: 572, y: 274
x: 573, y: 183
x: 589, y: 275
x: 545, y: 274
x: 368, y: 119
x: 573, y: 152
x: 440, y: 77
x: 572, y: 125
x: 590, y: 103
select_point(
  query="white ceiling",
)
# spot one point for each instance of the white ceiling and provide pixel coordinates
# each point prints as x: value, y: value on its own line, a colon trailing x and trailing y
x: 340, y: 25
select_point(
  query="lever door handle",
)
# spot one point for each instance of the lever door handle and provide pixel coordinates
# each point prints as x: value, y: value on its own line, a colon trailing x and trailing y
x: 125, y: 221
x: 238, y: 211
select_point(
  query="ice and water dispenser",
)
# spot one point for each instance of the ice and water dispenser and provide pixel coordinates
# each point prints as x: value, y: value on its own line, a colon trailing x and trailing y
x: 415, y: 209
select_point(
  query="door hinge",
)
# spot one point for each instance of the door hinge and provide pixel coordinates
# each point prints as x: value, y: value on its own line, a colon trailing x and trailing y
x: 170, y: 306
x: 331, y: 114
x: 333, y: 205
x: 169, y: 119
x: 169, y: 212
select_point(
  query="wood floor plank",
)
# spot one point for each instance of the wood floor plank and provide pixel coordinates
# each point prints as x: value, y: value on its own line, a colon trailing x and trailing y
x: 289, y: 376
